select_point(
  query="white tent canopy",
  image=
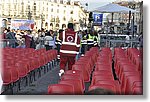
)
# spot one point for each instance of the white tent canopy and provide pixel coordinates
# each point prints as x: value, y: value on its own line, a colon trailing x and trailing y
x: 113, y: 8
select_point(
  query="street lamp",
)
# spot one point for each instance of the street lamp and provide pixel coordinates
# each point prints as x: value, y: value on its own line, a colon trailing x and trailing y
x: 42, y: 18
x: 29, y: 15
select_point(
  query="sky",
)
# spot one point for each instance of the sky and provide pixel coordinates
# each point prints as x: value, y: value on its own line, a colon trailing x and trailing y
x: 92, y: 4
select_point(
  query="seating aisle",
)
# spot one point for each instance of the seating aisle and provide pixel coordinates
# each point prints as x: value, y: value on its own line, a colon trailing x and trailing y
x: 39, y: 87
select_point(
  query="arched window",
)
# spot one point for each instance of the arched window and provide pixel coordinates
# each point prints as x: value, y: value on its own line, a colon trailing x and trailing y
x: 46, y: 24
x: 51, y: 24
x: 63, y: 25
x: 57, y: 25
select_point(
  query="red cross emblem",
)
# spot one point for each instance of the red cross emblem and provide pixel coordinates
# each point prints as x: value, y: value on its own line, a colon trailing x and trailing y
x: 70, y: 39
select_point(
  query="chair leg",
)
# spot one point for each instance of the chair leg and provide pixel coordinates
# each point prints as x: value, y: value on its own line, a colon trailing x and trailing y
x: 51, y: 65
x: 44, y: 69
x: 27, y: 80
x: 19, y: 87
x: 30, y: 78
x: 39, y: 70
x: 34, y: 75
x: 48, y: 65
x: 11, y: 88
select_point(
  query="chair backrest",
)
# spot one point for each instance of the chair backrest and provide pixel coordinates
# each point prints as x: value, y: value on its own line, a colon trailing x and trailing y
x: 76, y: 83
x: 137, y: 91
x: 6, y: 76
x: 15, y: 74
x: 102, y: 86
x: 22, y: 69
x: 125, y: 75
x: 108, y: 82
x: 74, y: 72
x: 84, y: 71
x: 102, y: 72
x: 72, y: 77
x: 130, y: 82
x: 60, y: 89
x: 99, y: 77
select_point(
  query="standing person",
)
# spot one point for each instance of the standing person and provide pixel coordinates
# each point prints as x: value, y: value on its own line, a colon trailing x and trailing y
x: 3, y: 36
x: 83, y: 42
x: 27, y: 38
x: 47, y: 41
x: 52, y: 41
x: 90, y: 40
x: 11, y: 38
x: 58, y: 43
x: 95, y: 39
x: 32, y: 43
x: 127, y: 40
x: 69, y: 49
x: 39, y: 40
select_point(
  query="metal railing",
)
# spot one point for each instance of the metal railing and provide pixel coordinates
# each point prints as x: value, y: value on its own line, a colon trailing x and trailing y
x: 7, y: 43
x: 123, y: 43
x: 119, y: 43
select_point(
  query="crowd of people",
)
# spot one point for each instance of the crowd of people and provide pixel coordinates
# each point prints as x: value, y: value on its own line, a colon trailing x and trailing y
x: 48, y: 39
x: 62, y: 40
x: 26, y: 38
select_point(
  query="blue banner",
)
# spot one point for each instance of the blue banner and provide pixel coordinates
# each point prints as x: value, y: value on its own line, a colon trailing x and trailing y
x: 22, y: 24
x: 98, y: 19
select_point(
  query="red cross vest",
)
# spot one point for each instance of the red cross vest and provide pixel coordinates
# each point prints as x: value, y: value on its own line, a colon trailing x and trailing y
x: 70, y: 43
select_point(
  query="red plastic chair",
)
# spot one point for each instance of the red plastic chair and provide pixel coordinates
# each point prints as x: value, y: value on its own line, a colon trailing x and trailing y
x: 60, y: 89
x: 84, y: 71
x: 127, y: 68
x: 22, y: 69
x: 76, y: 83
x: 99, y: 77
x: 72, y: 77
x: 85, y: 65
x: 15, y: 74
x: 102, y: 86
x: 106, y: 68
x: 111, y: 82
x: 125, y: 75
x: 137, y: 91
x: 74, y: 72
x: 102, y: 73
x: 137, y: 84
x: 88, y: 64
x: 7, y: 77
x: 129, y: 83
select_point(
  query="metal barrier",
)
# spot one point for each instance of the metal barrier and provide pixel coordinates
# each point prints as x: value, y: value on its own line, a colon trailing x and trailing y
x: 7, y: 43
x: 123, y: 43
x: 119, y: 43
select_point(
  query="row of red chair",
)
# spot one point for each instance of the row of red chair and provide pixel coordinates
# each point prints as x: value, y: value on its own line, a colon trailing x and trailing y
x: 20, y: 63
x: 127, y: 72
x: 73, y: 81
x: 86, y: 63
x: 102, y: 76
x: 136, y: 56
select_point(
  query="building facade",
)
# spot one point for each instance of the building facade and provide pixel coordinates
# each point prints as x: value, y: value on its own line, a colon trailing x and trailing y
x: 48, y: 14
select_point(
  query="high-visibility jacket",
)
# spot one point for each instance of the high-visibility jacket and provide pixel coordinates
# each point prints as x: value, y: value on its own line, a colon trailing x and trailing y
x: 99, y: 39
x: 84, y: 40
x: 70, y: 43
x: 95, y: 40
x: 90, y: 40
